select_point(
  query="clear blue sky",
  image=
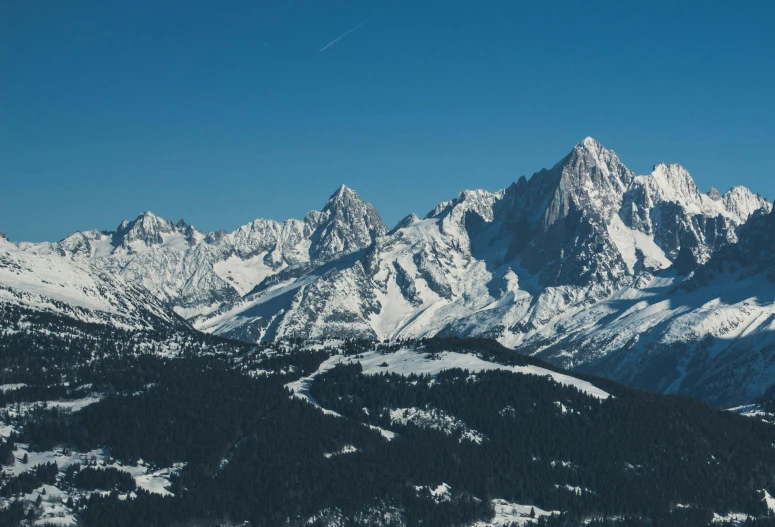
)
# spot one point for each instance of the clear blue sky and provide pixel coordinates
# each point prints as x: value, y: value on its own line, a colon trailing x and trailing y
x: 222, y: 112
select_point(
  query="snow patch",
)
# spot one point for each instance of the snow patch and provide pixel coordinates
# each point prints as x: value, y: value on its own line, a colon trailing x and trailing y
x: 245, y: 274
x: 347, y: 449
x: 435, y: 419
x: 508, y: 514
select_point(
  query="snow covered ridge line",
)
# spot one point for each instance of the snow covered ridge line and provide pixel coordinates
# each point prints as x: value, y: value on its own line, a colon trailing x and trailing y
x: 50, y: 283
x: 197, y: 273
x: 407, y: 361
x: 506, y: 265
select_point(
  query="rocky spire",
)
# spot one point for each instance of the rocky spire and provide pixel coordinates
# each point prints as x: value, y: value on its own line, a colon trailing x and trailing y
x: 147, y: 228
x: 346, y: 223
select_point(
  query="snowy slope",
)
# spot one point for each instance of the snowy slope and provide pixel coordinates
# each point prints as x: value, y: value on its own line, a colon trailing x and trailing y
x: 198, y: 273
x: 58, y: 285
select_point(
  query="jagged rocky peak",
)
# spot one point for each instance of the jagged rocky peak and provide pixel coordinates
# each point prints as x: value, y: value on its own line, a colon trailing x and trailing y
x: 78, y: 243
x: 343, y: 192
x: 753, y: 253
x: 674, y: 181
x: 742, y: 203
x: 346, y: 204
x: 714, y: 194
x: 591, y: 178
x: 407, y: 221
x: 479, y: 202
x: 671, y: 183
x: 190, y: 232
x: 591, y: 163
x: 346, y: 224
x: 591, y: 159
x: 147, y: 227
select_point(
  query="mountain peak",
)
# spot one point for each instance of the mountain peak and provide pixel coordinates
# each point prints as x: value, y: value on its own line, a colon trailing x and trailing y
x: 590, y: 177
x: 150, y: 221
x: 147, y: 227
x: 347, y: 223
x: 742, y: 203
x: 674, y: 178
x: 344, y: 198
x: 342, y: 191
x: 590, y: 143
x: 714, y: 194
x: 591, y: 152
x: 591, y: 148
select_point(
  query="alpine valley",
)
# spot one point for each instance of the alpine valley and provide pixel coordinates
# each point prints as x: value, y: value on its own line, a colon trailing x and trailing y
x: 587, y: 346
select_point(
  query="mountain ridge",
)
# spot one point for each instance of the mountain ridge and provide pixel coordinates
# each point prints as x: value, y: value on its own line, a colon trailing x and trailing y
x: 534, y: 265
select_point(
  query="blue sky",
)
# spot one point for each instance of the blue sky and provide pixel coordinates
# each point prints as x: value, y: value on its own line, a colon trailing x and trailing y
x: 224, y: 112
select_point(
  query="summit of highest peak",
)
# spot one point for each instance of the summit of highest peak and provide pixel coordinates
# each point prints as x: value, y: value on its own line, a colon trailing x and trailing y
x: 590, y: 142
x: 589, y: 146
x: 344, y: 196
x: 590, y: 151
x: 341, y: 191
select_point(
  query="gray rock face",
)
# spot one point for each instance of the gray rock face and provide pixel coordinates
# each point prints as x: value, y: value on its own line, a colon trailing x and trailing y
x: 346, y: 224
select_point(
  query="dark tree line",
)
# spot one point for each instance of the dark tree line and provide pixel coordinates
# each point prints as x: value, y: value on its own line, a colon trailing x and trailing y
x: 254, y: 453
x: 30, y: 480
x: 91, y: 478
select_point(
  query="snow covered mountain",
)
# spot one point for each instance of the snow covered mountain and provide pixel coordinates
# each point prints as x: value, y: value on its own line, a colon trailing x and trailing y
x: 710, y: 335
x: 197, y: 272
x: 572, y: 228
x: 555, y: 265
x: 57, y: 286
x: 586, y: 264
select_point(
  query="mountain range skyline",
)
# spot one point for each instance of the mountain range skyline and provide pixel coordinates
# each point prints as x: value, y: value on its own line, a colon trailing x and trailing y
x: 711, y: 190
x: 433, y: 98
x: 541, y: 266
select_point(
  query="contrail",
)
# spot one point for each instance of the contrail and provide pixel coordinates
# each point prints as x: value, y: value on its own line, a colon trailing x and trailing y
x: 340, y: 37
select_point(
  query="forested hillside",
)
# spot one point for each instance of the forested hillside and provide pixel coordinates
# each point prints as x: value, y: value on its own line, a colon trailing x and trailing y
x: 106, y: 427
